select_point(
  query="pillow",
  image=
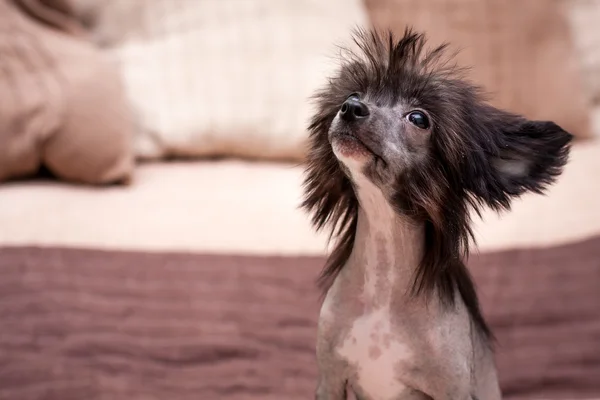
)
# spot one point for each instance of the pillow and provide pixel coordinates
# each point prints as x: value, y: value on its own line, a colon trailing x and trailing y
x: 521, y: 52
x: 62, y: 104
x: 221, y: 78
x: 584, y: 16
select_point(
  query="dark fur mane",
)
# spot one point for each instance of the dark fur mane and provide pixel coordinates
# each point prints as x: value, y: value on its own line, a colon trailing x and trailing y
x: 459, y: 175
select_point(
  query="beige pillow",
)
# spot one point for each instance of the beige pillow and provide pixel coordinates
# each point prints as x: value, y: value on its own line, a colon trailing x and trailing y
x: 215, y: 77
x: 61, y: 102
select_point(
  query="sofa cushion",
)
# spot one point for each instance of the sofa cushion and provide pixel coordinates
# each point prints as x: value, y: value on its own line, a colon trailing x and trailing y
x: 62, y: 102
x: 213, y: 77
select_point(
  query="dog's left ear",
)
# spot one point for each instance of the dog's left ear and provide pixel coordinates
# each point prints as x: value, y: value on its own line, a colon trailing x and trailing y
x: 523, y: 155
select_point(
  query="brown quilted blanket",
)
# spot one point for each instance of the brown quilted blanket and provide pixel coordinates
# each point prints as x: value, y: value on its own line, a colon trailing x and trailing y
x: 90, y: 324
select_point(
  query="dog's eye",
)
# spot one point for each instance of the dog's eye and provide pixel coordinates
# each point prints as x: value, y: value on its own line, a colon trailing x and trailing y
x: 418, y: 119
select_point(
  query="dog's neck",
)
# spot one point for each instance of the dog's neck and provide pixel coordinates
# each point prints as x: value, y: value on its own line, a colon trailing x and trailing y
x: 384, y: 328
x: 387, y: 249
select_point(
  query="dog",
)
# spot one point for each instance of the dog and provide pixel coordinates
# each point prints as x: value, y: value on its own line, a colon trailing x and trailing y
x: 402, y: 148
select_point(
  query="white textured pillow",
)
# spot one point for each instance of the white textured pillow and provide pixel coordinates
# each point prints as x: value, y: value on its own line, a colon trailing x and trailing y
x: 222, y: 77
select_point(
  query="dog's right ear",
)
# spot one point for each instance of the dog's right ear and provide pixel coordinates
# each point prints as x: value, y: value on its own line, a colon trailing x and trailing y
x: 519, y: 155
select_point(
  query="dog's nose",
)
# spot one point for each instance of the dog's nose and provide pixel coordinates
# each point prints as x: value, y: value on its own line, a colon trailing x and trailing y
x: 353, y: 109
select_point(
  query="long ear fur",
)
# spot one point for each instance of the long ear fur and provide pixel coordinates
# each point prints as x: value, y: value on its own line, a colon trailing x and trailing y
x: 521, y: 156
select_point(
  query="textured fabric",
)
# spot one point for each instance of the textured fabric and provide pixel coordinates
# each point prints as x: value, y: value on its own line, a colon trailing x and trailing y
x: 221, y: 77
x: 521, y: 52
x: 61, y: 103
x: 136, y: 326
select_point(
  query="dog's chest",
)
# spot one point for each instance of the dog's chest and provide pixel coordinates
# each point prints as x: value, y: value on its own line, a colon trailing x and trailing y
x: 377, y: 355
x: 392, y: 351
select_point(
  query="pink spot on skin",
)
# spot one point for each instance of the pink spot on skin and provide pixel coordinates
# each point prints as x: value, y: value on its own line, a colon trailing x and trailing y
x: 374, y: 352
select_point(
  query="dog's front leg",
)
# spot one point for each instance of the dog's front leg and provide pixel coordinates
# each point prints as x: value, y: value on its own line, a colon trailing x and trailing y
x: 333, y: 380
x: 330, y: 387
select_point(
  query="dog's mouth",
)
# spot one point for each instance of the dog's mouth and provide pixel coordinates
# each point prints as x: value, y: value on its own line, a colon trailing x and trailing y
x: 350, y: 136
x: 354, y: 144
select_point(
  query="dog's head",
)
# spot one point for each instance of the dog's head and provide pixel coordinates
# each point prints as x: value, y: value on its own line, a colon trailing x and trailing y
x: 402, y: 116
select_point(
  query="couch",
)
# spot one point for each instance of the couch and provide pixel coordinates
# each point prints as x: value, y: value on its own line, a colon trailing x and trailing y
x: 157, y: 268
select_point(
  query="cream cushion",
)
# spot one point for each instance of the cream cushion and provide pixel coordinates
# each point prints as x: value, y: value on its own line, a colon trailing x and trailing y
x: 214, y: 77
x: 252, y: 208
